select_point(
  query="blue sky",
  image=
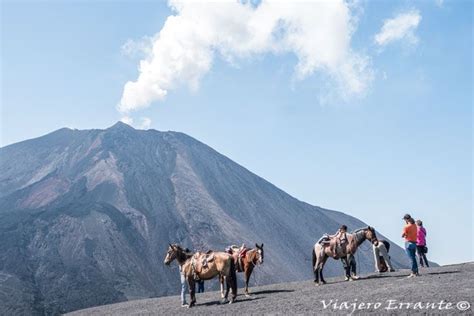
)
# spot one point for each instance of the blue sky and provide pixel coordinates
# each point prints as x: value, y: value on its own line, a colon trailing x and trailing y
x: 403, y: 145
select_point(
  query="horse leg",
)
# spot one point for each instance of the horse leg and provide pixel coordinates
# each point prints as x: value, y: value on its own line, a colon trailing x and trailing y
x: 347, y: 268
x: 221, y: 281
x: 192, y: 291
x: 315, y: 267
x: 321, y: 270
x: 228, y: 286
x: 228, y: 281
x: 233, y: 281
x: 247, y: 273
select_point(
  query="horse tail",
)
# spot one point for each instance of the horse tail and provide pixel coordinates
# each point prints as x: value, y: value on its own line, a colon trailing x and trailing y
x: 314, y: 258
x: 233, y: 278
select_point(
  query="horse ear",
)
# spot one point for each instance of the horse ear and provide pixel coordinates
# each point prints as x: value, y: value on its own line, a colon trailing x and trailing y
x: 256, y: 245
x: 261, y: 246
x: 171, y: 246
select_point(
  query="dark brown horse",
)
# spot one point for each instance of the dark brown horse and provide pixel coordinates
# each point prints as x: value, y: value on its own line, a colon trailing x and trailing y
x: 322, y: 251
x: 252, y: 258
x: 216, y: 264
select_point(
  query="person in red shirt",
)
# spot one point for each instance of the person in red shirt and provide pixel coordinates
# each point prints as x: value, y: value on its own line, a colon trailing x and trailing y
x: 410, y: 235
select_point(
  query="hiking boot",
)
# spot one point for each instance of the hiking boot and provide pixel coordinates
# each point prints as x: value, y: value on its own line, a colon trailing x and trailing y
x: 412, y: 275
x: 185, y: 305
x: 355, y: 277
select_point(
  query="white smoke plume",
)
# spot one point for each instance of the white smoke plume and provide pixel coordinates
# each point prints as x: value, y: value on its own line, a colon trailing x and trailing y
x: 318, y: 33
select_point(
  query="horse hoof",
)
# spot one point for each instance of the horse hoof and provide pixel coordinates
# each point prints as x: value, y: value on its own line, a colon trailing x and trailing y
x: 231, y: 301
x: 224, y: 301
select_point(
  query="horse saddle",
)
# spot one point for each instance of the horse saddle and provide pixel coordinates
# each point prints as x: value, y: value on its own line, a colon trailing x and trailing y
x: 338, y: 242
x: 333, y: 241
x: 238, y: 258
x: 238, y: 253
x: 200, y: 261
x: 324, y: 240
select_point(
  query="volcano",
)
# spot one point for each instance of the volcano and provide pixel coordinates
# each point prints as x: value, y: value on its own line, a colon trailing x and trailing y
x: 86, y: 217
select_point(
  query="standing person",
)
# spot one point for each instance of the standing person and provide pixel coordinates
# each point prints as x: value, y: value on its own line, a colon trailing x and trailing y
x: 184, y: 282
x: 421, y: 243
x: 184, y: 288
x: 410, y: 235
x: 350, y: 267
x: 200, y: 286
x: 381, y: 250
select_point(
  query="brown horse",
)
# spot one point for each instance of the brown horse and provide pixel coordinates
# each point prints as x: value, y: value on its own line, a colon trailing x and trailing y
x: 322, y: 251
x: 204, y: 267
x: 252, y: 258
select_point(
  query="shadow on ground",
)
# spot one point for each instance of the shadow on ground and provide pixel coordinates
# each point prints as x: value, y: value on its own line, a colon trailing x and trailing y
x: 239, y: 300
x: 272, y: 291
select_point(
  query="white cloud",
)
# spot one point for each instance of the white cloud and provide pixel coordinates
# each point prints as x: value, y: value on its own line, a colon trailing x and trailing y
x: 318, y: 33
x: 401, y: 27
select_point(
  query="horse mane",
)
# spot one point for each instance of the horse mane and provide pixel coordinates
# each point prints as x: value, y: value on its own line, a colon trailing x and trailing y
x: 185, y: 255
x: 177, y: 246
x: 358, y: 230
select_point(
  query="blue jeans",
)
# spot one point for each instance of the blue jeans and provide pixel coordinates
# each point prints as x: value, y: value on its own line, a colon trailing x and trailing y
x: 410, y: 248
x: 184, y: 288
x: 200, y: 286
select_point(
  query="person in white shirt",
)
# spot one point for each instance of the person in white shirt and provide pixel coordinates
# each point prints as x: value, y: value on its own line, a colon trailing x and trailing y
x: 380, y: 250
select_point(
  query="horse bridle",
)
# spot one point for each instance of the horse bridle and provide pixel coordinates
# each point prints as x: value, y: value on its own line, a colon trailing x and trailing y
x: 255, y: 258
x: 172, y: 254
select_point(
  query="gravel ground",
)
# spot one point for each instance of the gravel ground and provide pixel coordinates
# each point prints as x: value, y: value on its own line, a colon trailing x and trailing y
x: 448, y: 284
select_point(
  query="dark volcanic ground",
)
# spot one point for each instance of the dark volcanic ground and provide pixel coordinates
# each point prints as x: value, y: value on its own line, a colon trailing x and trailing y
x: 447, y: 284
